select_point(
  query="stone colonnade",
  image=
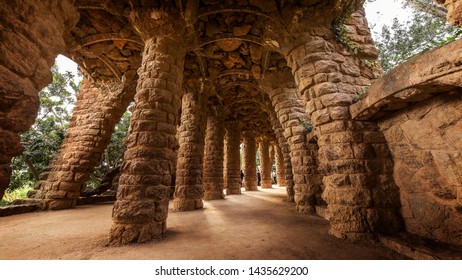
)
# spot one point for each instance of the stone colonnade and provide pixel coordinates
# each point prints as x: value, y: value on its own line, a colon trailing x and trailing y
x: 356, y: 172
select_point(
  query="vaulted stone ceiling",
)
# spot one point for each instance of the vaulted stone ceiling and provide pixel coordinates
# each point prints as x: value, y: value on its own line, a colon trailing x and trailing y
x: 231, y: 43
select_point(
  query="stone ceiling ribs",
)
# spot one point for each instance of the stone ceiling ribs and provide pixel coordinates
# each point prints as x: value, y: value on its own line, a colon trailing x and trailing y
x: 230, y: 36
x: 102, y: 37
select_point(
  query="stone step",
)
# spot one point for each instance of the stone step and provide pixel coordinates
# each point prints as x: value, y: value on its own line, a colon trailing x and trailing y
x: 418, y: 248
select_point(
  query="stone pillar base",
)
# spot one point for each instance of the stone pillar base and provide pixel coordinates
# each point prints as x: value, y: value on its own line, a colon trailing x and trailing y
x: 187, y: 204
x: 214, y: 195
x: 250, y: 187
x: 266, y: 184
x: 233, y: 191
x: 122, y: 234
x: 306, y: 209
x: 55, y: 204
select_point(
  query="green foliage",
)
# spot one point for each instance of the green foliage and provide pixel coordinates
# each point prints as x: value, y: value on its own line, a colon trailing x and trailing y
x: 43, y: 140
x: 339, y: 30
x: 360, y: 95
x: 19, y: 193
x: 400, y: 41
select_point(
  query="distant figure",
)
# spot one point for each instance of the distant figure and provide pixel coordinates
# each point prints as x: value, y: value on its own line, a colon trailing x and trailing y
x: 258, y: 178
x: 242, y: 176
x: 273, y: 174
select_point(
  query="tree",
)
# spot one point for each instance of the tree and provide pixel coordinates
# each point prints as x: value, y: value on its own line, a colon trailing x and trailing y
x: 426, y: 30
x: 43, y: 140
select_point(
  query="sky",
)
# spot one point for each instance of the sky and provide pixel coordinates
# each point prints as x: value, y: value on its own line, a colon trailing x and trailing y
x: 378, y: 13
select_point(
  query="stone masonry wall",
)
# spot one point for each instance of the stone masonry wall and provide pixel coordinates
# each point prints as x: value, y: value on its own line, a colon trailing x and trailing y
x: 32, y: 35
x: 426, y: 144
x: 97, y: 110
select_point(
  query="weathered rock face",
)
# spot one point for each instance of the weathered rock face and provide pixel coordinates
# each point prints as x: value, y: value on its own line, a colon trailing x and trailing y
x: 417, y: 106
x: 32, y: 34
x: 454, y: 14
x: 426, y: 144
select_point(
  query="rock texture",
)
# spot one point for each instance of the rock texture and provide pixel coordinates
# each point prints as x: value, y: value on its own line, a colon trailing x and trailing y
x: 233, y: 165
x: 32, y: 34
x: 189, y: 191
x: 249, y: 156
x: 141, y: 209
x: 426, y: 146
x: 98, y: 109
x: 214, y: 159
x: 454, y: 11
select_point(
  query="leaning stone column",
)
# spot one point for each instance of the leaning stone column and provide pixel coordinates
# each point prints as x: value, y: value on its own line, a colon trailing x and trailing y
x: 250, y: 164
x: 98, y: 109
x: 188, y: 191
x: 265, y: 167
x: 280, y: 168
x: 141, y: 209
x: 233, y: 166
x: 213, y: 169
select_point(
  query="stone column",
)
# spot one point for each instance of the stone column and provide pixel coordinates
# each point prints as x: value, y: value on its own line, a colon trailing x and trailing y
x: 285, y: 149
x: 329, y: 82
x: 265, y: 168
x: 98, y: 109
x: 141, y: 209
x: 32, y: 35
x: 250, y: 164
x: 213, y: 169
x: 280, y: 168
x: 272, y: 154
x: 188, y: 191
x: 291, y: 112
x: 233, y: 166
